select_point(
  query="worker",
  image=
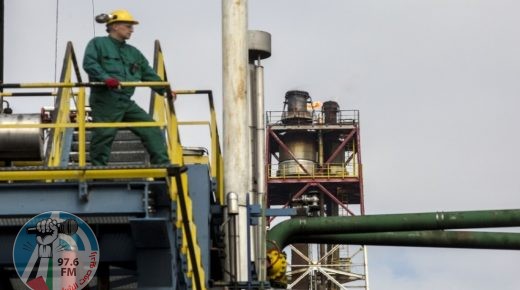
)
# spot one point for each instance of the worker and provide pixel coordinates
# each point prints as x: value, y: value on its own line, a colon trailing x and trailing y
x: 111, y: 60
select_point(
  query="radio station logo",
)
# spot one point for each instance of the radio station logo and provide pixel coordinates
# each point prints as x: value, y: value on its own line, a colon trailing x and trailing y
x: 56, y: 251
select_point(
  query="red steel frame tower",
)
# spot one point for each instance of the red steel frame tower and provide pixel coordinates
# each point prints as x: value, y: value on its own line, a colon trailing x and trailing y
x: 314, y: 165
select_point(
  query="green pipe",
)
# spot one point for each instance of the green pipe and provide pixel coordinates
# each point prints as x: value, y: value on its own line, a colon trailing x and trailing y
x: 282, y: 232
x: 438, y: 239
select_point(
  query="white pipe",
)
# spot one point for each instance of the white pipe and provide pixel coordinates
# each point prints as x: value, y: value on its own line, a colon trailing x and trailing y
x: 251, y: 98
x: 236, y: 130
x: 365, y: 257
x: 260, y: 169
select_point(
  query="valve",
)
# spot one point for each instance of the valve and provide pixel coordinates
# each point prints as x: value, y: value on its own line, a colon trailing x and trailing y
x: 310, y: 202
x: 276, y: 268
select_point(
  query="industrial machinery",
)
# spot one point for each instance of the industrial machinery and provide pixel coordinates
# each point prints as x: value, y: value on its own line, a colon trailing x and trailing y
x: 141, y: 214
x: 212, y: 218
x: 314, y: 165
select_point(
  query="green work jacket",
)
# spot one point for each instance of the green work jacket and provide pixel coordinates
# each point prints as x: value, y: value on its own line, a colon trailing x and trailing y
x: 106, y: 57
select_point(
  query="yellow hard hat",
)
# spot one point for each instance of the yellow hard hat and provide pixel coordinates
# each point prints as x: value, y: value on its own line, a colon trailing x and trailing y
x: 121, y: 16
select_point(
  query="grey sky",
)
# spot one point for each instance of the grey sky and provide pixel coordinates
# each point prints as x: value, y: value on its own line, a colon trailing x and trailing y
x: 436, y: 83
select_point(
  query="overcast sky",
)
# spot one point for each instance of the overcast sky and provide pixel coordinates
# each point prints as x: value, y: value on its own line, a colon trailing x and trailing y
x: 436, y: 83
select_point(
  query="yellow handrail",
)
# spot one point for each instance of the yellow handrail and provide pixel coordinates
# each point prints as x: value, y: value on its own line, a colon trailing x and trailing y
x: 217, y: 162
x: 62, y: 124
x: 86, y: 125
x: 82, y: 116
x: 67, y: 83
x: 329, y: 171
x: 166, y: 111
x: 62, y: 104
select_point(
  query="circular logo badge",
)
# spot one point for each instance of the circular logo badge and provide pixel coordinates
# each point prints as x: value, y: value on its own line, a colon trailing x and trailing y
x: 56, y: 250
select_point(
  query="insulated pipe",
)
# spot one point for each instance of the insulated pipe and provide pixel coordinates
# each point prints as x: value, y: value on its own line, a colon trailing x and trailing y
x: 236, y: 131
x: 281, y: 234
x: 232, y: 211
x: 439, y: 239
x: 260, y: 169
x: 251, y: 98
x: 259, y: 44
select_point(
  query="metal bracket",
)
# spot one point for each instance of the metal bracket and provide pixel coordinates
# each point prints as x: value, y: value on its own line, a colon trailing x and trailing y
x: 255, y: 212
x: 280, y: 212
x: 83, y: 191
x: 213, y: 185
x: 175, y: 170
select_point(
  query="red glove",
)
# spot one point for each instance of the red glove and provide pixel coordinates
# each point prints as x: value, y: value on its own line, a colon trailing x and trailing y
x: 171, y: 95
x: 112, y: 83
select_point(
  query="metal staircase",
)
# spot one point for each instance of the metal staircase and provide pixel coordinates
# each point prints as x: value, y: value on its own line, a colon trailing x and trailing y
x: 127, y: 150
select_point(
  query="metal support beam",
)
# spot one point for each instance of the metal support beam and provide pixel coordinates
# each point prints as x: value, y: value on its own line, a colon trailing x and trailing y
x: 296, y: 195
x: 341, y: 146
x: 284, y: 147
x: 335, y: 199
x: 104, y: 199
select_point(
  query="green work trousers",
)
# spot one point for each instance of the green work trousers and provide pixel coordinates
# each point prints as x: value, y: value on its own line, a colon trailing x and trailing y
x: 122, y: 109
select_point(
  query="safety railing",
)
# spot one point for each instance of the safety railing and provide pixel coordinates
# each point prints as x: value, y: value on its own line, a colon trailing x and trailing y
x: 216, y: 160
x: 341, y: 117
x: 178, y: 188
x: 61, y: 127
x: 327, y: 171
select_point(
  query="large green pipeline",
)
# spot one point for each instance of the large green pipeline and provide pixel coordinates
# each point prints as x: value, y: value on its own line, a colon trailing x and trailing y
x: 439, y: 239
x: 280, y: 235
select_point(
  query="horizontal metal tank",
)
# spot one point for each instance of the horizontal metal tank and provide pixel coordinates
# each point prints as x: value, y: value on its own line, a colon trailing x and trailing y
x: 21, y: 144
x: 303, y: 146
x: 295, y: 108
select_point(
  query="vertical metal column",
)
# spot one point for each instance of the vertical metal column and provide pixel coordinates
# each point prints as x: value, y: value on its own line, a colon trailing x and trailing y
x: 260, y: 171
x: 259, y: 48
x: 236, y: 131
x: 2, y: 27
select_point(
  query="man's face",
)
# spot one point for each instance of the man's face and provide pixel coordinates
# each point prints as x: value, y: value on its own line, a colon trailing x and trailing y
x: 123, y: 30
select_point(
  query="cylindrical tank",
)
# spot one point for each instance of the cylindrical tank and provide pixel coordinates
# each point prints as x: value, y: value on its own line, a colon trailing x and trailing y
x: 296, y: 104
x: 331, y: 141
x: 23, y: 144
x: 330, y: 110
x: 303, y: 146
